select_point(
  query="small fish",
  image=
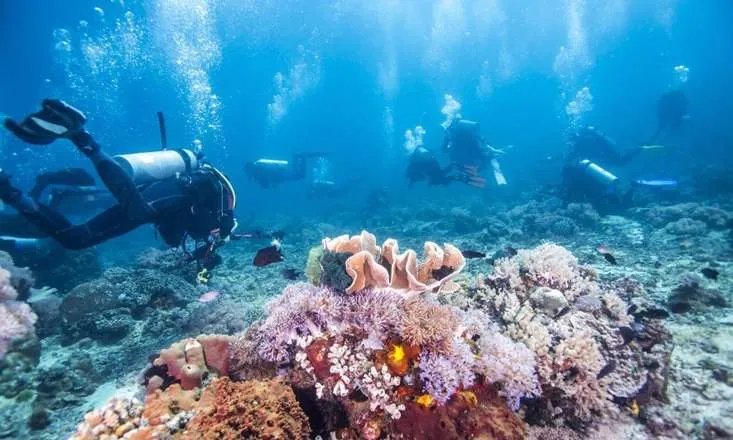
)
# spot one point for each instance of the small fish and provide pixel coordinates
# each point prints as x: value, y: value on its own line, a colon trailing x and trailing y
x: 651, y: 313
x: 710, y: 274
x: 627, y: 333
x: 290, y: 274
x: 209, y: 296
x: 473, y: 254
x: 505, y: 252
x: 653, y: 365
x: 268, y: 255
x: 608, y: 369
x: 607, y: 254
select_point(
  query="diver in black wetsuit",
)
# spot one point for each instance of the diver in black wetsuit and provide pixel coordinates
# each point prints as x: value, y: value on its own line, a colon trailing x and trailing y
x: 671, y: 113
x: 469, y: 152
x: 423, y: 165
x: 71, y: 191
x: 269, y: 173
x: 583, y: 178
x: 198, y: 203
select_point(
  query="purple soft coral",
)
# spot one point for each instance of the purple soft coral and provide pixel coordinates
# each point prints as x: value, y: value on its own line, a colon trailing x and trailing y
x: 442, y: 375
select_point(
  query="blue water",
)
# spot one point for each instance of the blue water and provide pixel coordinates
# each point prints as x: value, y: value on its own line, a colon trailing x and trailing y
x: 210, y: 66
x: 354, y: 77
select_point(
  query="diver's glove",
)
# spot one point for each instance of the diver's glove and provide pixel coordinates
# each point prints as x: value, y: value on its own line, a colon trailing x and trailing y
x: 56, y: 119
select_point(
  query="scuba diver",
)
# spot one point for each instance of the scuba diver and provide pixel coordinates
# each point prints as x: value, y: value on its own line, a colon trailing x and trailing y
x: 269, y: 173
x: 182, y: 196
x: 671, y: 113
x: 469, y: 152
x: 71, y: 191
x: 584, y: 179
x: 423, y: 165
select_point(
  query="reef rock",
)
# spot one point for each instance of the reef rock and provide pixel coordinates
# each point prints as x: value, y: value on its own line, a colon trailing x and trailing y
x: 104, y: 309
x: 549, y: 300
x: 690, y: 296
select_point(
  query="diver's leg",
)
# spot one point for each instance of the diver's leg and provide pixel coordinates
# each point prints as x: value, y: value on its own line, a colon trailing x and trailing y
x: 299, y: 167
x: 114, y: 177
x: 109, y: 224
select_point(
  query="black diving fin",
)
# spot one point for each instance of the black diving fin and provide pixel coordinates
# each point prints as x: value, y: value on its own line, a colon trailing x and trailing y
x: 56, y: 119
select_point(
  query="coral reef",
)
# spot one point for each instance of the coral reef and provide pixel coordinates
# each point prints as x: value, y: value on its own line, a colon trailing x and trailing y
x: 188, y: 362
x: 711, y: 216
x: 375, y: 352
x: 16, y: 317
x: 578, y: 329
x: 691, y: 296
x: 383, y: 344
x: 106, y: 309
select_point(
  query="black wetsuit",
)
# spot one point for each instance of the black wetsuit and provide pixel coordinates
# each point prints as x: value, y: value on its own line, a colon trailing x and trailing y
x: 177, y: 206
x: 465, y: 146
x: 671, y: 112
x: 577, y: 186
x: 423, y: 165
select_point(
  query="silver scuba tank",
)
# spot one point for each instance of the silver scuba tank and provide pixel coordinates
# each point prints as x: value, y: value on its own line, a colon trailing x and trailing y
x: 599, y: 174
x: 156, y: 165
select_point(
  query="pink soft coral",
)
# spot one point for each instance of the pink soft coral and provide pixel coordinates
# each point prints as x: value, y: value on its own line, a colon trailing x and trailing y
x: 16, y: 318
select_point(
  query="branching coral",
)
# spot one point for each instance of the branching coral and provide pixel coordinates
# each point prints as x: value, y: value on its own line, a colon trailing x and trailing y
x: 544, y: 299
x: 510, y: 364
x: 443, y: 375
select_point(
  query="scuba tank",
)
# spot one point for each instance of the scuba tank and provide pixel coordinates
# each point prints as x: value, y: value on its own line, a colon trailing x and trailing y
x: 598, y: 174
x: 272, y: 163
x: 156, y: 165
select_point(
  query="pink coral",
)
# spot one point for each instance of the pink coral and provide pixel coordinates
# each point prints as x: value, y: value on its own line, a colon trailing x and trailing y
x: 16, y: 317
x: 510, y: 364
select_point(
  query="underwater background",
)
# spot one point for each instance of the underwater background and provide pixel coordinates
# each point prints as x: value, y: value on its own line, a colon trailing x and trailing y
x: 354, y: 79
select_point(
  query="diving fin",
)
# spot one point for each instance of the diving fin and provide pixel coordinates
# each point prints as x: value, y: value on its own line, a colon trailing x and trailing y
x: 475, y: 181
x: 498, y: 174
x: 56, y: 119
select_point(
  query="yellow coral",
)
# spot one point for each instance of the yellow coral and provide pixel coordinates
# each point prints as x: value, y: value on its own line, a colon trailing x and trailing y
x: 397, y: 360
x: 425, y: 400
